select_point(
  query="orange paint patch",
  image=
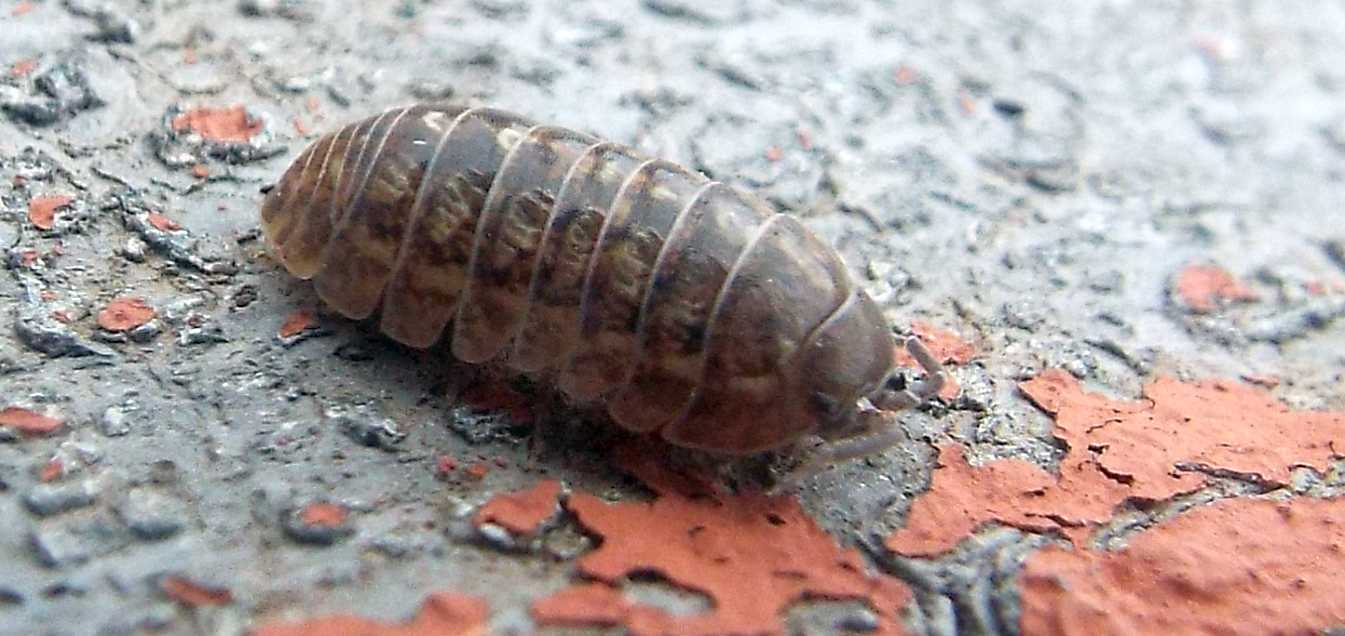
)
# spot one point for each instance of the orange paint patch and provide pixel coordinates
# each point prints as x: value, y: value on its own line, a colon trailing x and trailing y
x: 228, y: 124
x: 594, y: 604
x: 522, y: 512
x: 1222, y: 424
x: 774, y: 154
x: 193, y: 594
x: 22, y: 8
x: 297, y: 322
x: 23, y: 67
x: 1140, y: 446
x: 1203, y: 288
x: 754, y: 556
x: 442, y: 614
x: 124, y: 314
x: 28, y: 422
x: 1012, y: 492
x: 1237, y: 566
x: 163, y: 223
x: 200, y: 170
x: 322, y: 514
x: 42, y: 210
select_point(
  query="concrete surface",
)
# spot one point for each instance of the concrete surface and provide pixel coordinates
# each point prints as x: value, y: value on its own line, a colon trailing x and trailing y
x: 1031, y: 176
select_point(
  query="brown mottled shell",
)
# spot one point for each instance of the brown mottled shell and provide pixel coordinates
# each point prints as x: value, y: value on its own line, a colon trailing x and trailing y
x: 683, y: 305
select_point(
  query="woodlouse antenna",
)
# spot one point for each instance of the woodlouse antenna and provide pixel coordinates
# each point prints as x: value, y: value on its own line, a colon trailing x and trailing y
x: 889, y: 399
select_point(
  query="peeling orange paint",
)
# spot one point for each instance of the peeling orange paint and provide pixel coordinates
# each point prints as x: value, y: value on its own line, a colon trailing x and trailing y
x: 442, y: 614
x: 1221, y: 424
x: 227, y: 124
x: 42, y: 210
x: 28, y: 422
x: 753, y: 556
x: 1139, y: 446
x: 592, y: 604
x: 124, y: 314
x: 1237, y: 566
x: 189, y: 592
x: 521, y: 512
x: 1203, y: 288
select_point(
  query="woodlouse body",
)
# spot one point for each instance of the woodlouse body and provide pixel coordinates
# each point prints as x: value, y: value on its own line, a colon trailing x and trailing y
x: 684, y: 305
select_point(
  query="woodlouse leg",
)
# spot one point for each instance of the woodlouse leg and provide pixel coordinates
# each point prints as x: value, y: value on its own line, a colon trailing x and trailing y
x: 878, y: 431
x: 875, y: 429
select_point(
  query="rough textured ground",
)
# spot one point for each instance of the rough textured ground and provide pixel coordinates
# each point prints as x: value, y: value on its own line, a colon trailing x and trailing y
x: 1119, y: 192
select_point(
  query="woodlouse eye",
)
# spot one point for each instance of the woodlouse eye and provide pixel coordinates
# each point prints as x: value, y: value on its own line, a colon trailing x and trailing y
x: 266, y: 189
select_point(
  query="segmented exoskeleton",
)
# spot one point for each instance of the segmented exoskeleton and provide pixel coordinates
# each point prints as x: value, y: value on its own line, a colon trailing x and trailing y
x: 685, y: 306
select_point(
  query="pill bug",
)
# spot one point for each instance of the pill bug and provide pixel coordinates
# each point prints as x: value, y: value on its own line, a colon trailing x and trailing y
x: 683, y: 305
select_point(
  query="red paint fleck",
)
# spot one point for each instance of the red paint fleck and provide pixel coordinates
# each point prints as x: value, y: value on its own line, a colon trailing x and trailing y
x: 592, y: 604
x: 522, y: 512
x: 28, y: 422
x: 1203, y: 288
x: 297, y: 322
x: 22, y: 8
x: 445, y: 465
x: 478, y: 471
x: 23, y: 67
x: 200, y: 170
x: 51, y: 470
x: 324, y: 514
x: 193, y: 594
x: 28, y: 257
x: 62, y: 316
x: 163, y: 223
x: 905, y: 75
x: 300, y: 127
x: 774, y: 154
x: 1139, y: 447
x: 124, y: 314
x: 499, y: 396
x: 227, y: 124
x: 442, y: 614
x: 312, y: 104
x: 42, y: 210
x: 1237, y: 566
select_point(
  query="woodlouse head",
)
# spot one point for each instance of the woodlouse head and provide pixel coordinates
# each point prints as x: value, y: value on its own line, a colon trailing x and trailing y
x: 848, y: 358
